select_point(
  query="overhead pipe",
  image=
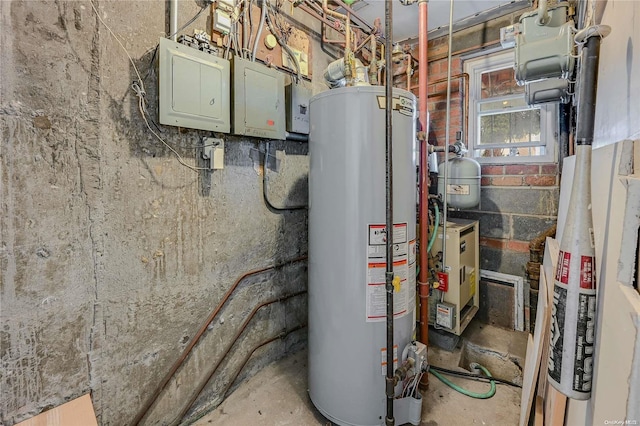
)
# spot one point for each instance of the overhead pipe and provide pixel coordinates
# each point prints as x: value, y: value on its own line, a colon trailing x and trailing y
x: 196, y: 338
x: 347, y: 48
x: 423, y: 276
x: 390, y: 382
x: 173, y: 19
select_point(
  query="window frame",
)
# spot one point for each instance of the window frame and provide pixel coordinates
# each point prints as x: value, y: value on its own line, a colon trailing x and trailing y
x: 474, y: 67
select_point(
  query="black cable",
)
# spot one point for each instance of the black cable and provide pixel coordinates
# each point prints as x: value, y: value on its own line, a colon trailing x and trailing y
x: 265, y: 190
x: 472, y: 376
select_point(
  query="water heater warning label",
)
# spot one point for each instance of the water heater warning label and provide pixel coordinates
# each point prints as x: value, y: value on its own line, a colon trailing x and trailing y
x: 403, y: 268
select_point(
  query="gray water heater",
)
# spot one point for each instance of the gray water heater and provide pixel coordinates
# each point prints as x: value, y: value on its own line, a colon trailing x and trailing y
x: 347, y: 249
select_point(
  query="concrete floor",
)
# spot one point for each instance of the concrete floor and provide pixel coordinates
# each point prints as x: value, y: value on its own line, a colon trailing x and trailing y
x: 278, y: 394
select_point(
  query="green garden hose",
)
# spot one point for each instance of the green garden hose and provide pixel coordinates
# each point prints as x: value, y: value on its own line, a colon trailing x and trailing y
x: 457, y: 388
x: 435, y: 228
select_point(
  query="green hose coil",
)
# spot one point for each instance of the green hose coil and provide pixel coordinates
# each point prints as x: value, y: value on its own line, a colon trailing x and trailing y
x: 463, y: 391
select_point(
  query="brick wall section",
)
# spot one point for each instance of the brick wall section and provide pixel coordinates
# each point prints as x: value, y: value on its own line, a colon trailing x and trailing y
x: 520, y: 175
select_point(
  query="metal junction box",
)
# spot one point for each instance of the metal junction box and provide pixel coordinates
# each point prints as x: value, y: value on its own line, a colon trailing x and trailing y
x: 258, y: 100
x: 297, y: 99
x: 194, y: 88
x: 461, y: 301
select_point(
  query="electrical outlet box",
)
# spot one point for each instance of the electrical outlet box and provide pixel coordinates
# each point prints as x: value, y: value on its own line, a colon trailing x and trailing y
x: 258, y: 100
x: 194, y: 88
x: 297, y: 100
x: 446, y: 315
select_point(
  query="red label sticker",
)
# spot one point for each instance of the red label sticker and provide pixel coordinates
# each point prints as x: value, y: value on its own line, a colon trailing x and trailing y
x: 562, y: 270
x: 443, y: 281
x: 587, y: 273
x: 270, y: 122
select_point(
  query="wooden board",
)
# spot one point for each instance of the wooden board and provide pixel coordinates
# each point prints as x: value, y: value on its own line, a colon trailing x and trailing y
x: 539, y: 413
x: 554, y: 407
x: 535, y: 348
x: 78, y: 412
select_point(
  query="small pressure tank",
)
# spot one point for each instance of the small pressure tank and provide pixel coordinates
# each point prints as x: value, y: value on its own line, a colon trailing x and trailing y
x: 463, y: 182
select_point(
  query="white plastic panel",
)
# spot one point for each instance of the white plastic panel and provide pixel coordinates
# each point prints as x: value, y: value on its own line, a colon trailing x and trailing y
x: 194, y: 88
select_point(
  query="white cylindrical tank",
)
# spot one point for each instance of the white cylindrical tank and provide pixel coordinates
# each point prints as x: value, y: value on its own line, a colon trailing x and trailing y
x: 347, y: 298
x: 463, y: 182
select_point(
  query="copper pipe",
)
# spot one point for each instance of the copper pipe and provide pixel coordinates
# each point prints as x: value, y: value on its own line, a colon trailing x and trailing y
x: 353, y: 13
x: 423, y: 278
x: 200, y: 332
x: 227, y: 349
x: 314, y: 14
x: 264, y: 343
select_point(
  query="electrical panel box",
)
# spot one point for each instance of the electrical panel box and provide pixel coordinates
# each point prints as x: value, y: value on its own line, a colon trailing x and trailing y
x: 544, y: 50
x: 461, y: 301
x: 258, y: 100
x: 297, y: 100
x: 194, y: 88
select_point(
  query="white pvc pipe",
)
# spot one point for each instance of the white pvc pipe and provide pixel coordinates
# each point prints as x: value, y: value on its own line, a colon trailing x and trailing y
x: 173, y: 19
x: 543, y: 16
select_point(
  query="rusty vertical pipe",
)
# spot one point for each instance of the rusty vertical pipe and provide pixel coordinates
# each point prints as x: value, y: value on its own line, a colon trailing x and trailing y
x: 423, y: 278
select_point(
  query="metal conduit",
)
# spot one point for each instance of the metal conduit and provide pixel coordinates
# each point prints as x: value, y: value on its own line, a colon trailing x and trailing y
x: 390, y: 384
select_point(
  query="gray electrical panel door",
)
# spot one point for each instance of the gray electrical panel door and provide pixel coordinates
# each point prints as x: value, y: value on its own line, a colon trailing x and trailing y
x: 194, y: 88
x: 258, y: 100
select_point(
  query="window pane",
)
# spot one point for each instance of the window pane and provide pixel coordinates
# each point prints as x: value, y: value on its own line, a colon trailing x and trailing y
x: 511, y: 127
x: 504, y: 104
x: 510, y: 152
x: 499, y: 83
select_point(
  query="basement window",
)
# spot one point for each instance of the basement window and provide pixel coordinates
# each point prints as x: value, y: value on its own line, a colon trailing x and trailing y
x: 502, y: 127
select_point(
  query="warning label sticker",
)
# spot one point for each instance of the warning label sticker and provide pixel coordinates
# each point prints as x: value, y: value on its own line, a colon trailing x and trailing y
x: 402, y: 104
x: 383, y: 359
x: 587, y: 273
x: 376, y: 272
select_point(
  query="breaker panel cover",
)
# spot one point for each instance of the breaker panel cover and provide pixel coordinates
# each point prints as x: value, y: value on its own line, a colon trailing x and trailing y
x: 258, y: 100
x: 194, y: 88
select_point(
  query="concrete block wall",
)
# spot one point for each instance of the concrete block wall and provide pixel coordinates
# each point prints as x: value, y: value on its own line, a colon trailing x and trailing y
x: 112, y: 253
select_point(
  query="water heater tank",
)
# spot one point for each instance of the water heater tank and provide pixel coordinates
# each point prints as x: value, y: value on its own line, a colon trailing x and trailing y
x: 463, y: 182
x: 347, y: 248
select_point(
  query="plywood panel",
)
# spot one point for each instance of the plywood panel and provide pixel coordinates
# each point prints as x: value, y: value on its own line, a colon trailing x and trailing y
x: 78, y: 412
x: 533, y: 358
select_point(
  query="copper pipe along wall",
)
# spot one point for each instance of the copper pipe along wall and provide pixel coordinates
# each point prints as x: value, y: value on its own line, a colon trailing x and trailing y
x: 202, y: 329
x: 264, y: 343
x: 227, y: 349
x: 423, y: 278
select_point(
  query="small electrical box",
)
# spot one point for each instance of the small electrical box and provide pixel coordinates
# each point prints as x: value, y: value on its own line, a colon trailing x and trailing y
x: 446, y: 315
x: 258, y: 100
x: 297, y: 99
x: 194, y: 88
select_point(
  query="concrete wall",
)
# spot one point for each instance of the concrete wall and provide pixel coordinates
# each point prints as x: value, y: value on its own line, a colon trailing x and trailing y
x: 112, y: 253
